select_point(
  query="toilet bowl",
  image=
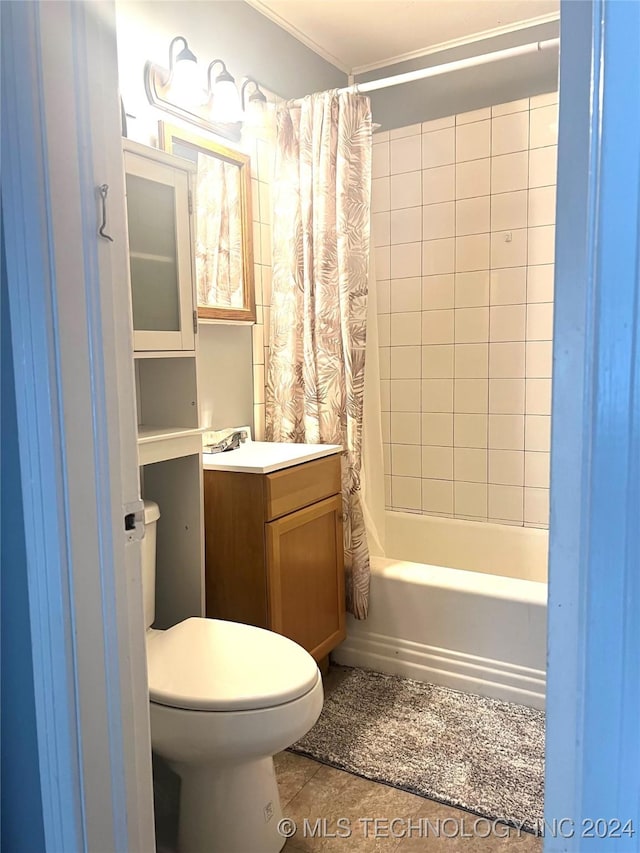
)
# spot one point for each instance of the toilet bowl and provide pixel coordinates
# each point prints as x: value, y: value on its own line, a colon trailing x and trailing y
x: 224, y: 697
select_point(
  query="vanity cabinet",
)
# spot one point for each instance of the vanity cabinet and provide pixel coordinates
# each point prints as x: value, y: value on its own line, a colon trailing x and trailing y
x: 274, y: 552
x: 159, y: 215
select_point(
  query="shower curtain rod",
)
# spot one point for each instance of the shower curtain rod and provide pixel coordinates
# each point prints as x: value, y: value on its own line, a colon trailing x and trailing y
x: 457, y: 65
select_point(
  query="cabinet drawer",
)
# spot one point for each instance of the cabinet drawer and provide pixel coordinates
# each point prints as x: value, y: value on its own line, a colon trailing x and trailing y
x: 294, y: 488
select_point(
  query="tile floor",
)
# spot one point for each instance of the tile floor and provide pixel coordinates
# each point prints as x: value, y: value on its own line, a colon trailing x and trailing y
x: 321, y: 795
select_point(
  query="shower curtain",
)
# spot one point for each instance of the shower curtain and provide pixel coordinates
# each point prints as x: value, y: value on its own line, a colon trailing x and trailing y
x: 218, y: 234
x: 372, y: 473
x: 321, y: 231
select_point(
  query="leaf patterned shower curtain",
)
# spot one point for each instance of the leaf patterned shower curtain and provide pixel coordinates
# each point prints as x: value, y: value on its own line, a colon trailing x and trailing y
x: 218, y: 233
x: 315, y: 384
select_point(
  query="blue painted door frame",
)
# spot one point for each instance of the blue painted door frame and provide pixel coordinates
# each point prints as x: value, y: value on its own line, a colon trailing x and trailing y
x: 593, y: 727
x: 593, y: 767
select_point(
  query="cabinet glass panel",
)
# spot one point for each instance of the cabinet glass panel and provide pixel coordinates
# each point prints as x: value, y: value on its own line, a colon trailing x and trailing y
x: 153, y: 255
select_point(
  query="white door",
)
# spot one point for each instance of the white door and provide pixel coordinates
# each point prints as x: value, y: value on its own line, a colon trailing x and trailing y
x: 70, y: 322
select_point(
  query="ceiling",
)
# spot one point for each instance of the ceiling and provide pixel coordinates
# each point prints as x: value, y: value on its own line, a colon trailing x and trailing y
x: 360, y: 35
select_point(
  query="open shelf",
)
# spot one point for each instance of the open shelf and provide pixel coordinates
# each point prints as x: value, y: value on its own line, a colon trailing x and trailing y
x: 148, y: 434
x: 156, y: 444
x: 164, y: 354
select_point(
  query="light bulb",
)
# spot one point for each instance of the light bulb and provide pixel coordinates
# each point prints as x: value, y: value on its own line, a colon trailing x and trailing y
x: 184, y: 86
x: 226, y: 102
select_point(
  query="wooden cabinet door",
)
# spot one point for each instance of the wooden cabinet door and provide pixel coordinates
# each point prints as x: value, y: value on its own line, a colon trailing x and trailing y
x: 305, y: 565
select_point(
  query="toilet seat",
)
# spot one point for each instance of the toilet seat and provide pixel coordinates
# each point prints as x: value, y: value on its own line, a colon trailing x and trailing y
x: 215, y: 665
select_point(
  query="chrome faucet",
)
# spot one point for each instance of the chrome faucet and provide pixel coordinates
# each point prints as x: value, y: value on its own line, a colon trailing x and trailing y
x: 231, y: 442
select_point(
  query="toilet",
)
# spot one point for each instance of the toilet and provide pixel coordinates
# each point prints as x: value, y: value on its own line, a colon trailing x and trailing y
x: 224, y: 698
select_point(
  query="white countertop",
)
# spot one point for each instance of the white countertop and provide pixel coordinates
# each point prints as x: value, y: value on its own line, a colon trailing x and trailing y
x: 264, y: 457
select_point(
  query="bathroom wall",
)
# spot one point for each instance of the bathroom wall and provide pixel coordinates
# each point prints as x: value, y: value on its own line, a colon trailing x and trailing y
x: 464, y: 213
x: 225, y: 372
x: 262, y: 163
x: 249, y: 43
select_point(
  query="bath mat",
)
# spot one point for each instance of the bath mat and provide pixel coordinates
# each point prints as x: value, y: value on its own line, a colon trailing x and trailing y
x: 468, y: 751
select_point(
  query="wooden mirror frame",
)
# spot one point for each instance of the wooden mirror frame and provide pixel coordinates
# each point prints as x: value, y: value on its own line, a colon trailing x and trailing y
x: 167, y: 133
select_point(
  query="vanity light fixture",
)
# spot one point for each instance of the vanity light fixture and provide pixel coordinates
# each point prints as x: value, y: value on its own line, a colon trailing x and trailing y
x: 254, y: 105
x: 257, y: 96
x: 224, y: 98
x: 178, y: 91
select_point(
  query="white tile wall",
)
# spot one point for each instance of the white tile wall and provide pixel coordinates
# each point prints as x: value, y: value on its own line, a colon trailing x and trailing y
x: 512, y: 107
x: 472, y: 289
x: 437, y: 291
x: 259, y: 144
x: 472, y: 179
x: 439, y: 183
x: 409, y: 130
x: 464, y: 227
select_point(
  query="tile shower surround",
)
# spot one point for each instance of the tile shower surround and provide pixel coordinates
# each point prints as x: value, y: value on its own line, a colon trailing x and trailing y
x: 464, y: 222
x: 261, y: 149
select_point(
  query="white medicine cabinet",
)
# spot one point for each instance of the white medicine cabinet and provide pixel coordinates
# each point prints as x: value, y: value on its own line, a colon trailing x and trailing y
x: 160, y: 249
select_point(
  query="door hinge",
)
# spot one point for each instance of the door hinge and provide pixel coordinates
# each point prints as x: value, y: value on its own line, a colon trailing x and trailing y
x: 195, y: 322
x: 190, y: 202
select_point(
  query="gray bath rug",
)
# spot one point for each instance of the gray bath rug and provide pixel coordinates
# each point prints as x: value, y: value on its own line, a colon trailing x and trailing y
x: 478, y: 754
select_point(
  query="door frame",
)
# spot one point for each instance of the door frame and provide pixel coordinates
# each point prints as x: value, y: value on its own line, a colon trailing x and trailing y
x: 77, y: 439
x: 69, y: 311
x: 593, y: 696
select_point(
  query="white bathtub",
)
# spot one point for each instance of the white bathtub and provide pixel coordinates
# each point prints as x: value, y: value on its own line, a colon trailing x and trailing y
x: 478, y: 625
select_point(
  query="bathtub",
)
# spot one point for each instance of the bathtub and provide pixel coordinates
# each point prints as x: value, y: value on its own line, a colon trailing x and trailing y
x: 457, y: 603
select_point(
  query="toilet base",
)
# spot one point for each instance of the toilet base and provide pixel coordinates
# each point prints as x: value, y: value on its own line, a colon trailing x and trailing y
x: 229, y: 808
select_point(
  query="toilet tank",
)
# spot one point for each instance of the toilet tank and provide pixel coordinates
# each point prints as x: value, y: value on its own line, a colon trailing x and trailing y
x: 151, y: 516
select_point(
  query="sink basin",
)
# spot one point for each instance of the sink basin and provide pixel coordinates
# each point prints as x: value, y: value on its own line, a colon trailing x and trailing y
x: 264, y: 457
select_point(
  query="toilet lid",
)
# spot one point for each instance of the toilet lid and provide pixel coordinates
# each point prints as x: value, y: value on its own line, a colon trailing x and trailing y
x: 214, y: 665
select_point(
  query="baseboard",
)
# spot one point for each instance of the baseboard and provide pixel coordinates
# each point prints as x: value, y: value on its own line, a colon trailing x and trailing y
x: 457, y: 670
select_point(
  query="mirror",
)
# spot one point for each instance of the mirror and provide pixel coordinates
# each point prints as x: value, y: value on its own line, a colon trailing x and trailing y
x: 223, y: 225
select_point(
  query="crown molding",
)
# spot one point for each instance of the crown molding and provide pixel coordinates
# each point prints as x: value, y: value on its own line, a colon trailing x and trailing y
x: 264, y: 9
x: 261, y: 7
x: 448, y: 45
